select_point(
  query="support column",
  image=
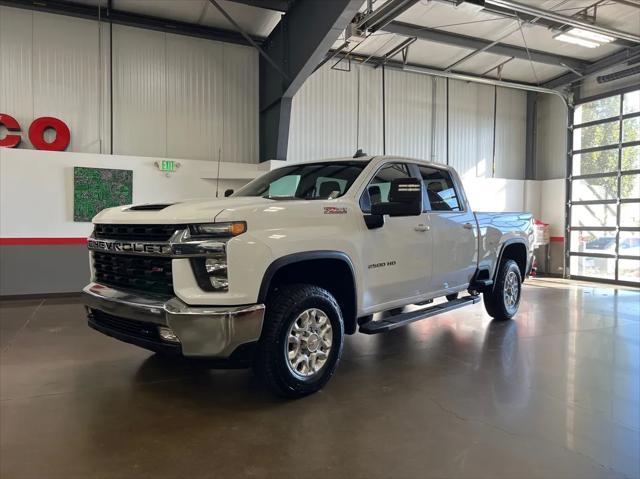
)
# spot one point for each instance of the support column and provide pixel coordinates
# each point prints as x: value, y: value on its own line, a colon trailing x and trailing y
x: 297, y: 44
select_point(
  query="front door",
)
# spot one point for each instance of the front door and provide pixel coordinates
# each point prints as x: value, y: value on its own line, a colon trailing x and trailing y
x: 397, y: 255
x: 453, y: 229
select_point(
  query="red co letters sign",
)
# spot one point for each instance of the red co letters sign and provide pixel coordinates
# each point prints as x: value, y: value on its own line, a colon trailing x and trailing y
x: 36, y: 133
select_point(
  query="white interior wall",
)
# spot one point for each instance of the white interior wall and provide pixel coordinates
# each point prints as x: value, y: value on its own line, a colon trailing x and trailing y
x: 173, y: 96
x: 46, y: 202
x: 36, y: 187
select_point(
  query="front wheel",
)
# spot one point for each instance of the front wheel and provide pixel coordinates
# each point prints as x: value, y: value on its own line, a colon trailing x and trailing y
x: 503, y: 300
x: 301, y: 341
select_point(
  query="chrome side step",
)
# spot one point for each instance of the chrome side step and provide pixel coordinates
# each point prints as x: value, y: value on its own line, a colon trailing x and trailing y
x: 393, y: 322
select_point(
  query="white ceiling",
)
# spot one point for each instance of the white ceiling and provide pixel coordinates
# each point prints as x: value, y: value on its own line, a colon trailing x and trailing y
x: 437, y: 14
x: 253, y: 20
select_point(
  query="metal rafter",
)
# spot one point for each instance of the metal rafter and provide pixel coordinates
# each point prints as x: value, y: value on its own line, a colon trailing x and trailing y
x: 120, y: 17
x: 563, y: 19
x: 608, y: 62
x: 473, y: 43
x: 275, y: 5
x: 382, y: 16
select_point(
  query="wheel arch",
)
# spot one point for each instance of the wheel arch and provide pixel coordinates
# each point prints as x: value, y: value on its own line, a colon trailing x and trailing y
x: 516, y: 250
x: 333, y: 271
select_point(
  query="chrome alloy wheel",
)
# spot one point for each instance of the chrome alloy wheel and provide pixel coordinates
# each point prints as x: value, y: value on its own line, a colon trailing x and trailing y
x: 309, y: 342
x: 511, y: 290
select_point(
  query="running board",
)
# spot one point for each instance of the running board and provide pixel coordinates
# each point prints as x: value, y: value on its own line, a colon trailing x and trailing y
x: 393, y: 322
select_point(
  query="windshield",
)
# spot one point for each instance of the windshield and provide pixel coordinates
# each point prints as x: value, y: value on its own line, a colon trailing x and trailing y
x: 305, y: 181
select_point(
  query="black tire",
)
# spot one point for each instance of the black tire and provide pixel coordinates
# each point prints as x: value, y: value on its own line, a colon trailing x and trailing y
x: 452, y: 296
x: 494, y: 301
x: 272, y: 363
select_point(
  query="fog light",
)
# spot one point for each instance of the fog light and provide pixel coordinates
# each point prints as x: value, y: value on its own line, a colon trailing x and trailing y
x: 213, y: 265
x: 168, y: 335
x: 219, y: 283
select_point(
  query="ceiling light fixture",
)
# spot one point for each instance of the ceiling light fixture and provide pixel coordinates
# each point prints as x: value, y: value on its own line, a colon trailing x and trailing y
x: 564, y: 37
x: 592, y: 36
x: 582, y: 37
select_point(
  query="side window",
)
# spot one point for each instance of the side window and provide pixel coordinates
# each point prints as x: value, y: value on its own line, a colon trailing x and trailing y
x: 378, y: 188
x: 440, y: 193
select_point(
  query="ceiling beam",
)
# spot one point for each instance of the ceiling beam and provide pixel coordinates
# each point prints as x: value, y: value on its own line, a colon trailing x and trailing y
x: 607, y: 62
x: 473, y: 43
x: 437, y: 72
x: 383, y: 15
x: 120, y: 17
x: 563, y: 19
x: 276, y: 5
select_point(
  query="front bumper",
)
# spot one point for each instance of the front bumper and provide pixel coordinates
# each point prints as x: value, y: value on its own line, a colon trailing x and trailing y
x: 203, y: 332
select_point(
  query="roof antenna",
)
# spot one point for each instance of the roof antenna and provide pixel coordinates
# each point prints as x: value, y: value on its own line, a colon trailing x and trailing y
x: 218, y: 177
x: 360, y: 153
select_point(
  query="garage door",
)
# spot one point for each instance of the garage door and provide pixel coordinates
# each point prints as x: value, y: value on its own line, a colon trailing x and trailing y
x: 604, y: 189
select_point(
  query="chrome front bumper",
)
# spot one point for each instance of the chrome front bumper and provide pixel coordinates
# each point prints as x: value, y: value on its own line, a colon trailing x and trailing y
x: 204, y: 332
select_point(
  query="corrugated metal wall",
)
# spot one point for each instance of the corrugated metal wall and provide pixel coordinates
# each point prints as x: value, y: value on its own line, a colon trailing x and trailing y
x: 511, y: 127
x: 415, y: 120
x: 173, y: 96
x: 49, y: 67
x: 471, y: 128
x: 551, y: 144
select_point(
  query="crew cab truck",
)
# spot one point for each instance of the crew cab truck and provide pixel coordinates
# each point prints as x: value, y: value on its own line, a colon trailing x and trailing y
x: 275, y: 275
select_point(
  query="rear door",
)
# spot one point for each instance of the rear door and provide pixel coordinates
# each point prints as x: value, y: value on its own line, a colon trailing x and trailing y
x: 397, y: 255
x: 453, y: 231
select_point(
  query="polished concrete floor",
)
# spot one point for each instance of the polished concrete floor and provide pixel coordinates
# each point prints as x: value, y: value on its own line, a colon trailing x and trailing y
x: 554, y: 393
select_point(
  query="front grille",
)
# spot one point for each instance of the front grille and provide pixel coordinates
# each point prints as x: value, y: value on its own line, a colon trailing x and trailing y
x: 139, y: 329
x: 136, y: 232
x: 143, y: 273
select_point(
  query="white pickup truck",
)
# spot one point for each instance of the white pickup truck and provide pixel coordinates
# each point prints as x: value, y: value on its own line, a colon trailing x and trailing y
x: 276, y: 274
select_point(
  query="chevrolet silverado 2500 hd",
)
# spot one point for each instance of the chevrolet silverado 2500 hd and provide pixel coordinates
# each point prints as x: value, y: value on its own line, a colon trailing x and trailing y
x: 276, y: 274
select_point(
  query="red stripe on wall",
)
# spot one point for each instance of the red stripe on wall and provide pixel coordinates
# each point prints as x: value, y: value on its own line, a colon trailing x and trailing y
x: 42, y: 241
x: 557, y: 239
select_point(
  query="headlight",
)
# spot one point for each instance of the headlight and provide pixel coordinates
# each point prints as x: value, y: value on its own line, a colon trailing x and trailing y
x: 211, y: 270
x: 218, y: 230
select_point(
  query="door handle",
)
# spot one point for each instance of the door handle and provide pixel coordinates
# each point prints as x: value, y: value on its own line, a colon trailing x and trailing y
x: 467, y: 226
x: 421, y: 227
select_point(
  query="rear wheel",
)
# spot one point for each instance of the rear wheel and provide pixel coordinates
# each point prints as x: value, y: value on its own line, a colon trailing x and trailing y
x: 503, y: 300
x: 301, y: 342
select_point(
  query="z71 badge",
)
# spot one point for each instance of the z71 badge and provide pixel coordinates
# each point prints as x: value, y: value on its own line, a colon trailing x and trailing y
x: 333, y: 210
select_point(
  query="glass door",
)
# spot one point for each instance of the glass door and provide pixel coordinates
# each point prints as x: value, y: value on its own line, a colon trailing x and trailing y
x: 604, y: 190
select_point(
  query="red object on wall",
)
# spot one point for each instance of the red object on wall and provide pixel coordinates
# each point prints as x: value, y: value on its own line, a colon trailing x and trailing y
x: 40, y: 125
x: 10, y: 123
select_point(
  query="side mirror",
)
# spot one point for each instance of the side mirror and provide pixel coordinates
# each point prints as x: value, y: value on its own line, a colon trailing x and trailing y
x: 405, y: 199
x: 228, y: 193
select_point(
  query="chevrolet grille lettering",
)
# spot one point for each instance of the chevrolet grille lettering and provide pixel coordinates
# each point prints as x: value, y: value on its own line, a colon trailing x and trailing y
x: 128, y: 247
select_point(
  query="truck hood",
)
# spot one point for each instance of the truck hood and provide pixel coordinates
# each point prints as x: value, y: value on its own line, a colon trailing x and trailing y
x: 180, y: 212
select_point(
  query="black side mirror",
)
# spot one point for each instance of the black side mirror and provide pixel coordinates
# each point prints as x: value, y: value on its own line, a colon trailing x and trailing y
x: 405, y: 199
x: 228, y: 193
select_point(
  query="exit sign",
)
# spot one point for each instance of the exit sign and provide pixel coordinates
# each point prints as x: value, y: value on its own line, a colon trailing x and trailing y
x: 167, y: 165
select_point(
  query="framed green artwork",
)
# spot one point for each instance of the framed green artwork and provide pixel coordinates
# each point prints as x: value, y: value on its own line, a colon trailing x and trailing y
x: 95, y: 189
